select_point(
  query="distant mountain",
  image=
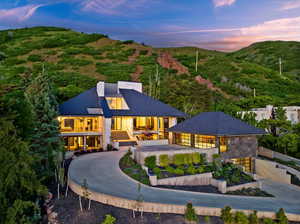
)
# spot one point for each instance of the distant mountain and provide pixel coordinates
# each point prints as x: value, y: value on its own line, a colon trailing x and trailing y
x: 76, y: 61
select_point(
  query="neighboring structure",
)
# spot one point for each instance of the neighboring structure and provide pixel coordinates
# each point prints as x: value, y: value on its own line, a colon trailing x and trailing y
x: 118, y: 114
x: 292, y: 113
x: 233, y: 139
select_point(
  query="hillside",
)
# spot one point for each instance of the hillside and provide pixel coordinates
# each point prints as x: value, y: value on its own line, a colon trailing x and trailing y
x: 76, y: 61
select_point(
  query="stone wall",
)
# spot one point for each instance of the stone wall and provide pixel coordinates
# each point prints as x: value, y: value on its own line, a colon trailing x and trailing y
x: 165, y: 208
x: 189, y: 180
x: 240, y: 147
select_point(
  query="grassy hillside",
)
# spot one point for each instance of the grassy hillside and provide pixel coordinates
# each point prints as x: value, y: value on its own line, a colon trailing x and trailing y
x: 268, y: 54
x: 76, y: 61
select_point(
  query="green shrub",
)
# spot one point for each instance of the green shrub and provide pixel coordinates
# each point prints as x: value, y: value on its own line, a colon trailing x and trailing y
x: 164, y: 160
x: 157, y: 171
x: 207, y: 219
x: 201, y: 169
x: 34, y: 58
x: 240, y: 218
x: 128, y: 42
x: 170, y: 169
x: 189, y: 158
x: 281, y: 217
x: 191, y: 170
x: 109, y: 219
x: 196, y: 156
x: 178, y: 159
x: 226, y: 215
x: 150, y: 162
x: 190, y: 214
x: 267, y: 221
x: 178, y: 171
x: 253, y: 219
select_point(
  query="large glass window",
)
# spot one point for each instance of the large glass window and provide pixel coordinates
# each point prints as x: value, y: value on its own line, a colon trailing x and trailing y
x: 183, y: 139
x: 223, y: 144
x: 144, y: 123
x: 80, y: 124
x: 244, y: 162
x: 75, y: 143
x: 116, y: 103
x: 205, y: 142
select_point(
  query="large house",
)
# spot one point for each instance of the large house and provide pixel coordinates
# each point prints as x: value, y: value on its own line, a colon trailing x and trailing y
x: 218, y: 133
x: 292, y: 113
x: 117, y: 114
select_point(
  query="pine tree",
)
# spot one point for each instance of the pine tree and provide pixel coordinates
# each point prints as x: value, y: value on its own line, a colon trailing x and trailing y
x: 46, y: 145
x: 19, y: 185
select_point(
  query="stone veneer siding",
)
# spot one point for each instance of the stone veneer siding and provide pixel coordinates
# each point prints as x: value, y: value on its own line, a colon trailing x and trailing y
x: 240, y: 147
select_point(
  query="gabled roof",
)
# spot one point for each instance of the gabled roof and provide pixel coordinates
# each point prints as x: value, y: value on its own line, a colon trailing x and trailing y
x: 139, y: 104
x: 216, y: 123
x: 78, y: 105
x: 142, y: 105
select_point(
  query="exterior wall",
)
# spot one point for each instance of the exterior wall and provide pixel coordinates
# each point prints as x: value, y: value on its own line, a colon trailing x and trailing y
x: 106, y: 132
x: 269, y: 169
x: 172, y: 122
x: 240, y: 147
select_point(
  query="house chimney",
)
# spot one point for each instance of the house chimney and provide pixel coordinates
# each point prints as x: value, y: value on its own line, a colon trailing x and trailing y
x: 100, y: 89
x: 137, y: 86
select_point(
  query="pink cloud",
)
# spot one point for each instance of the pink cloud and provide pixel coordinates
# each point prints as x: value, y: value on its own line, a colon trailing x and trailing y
x: 293, y: 4
x: 18, y: 14
x: 220, y: 3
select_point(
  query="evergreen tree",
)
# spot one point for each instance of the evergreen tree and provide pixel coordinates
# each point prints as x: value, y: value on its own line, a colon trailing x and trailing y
x: 19, y: 185
x: 46, y: 145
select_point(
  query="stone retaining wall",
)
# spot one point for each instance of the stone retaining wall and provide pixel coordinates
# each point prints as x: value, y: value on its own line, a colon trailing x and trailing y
x: 190, y: 180
x: 165, y: 208
x: 269, y: 169
x: 200, y: 180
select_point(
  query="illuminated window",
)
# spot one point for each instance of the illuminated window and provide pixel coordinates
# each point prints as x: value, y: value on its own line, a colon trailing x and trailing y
x: 223, y: 144
x: 244, y: 162
x: 116, y: 103
x: 205, y: 142
x: 79, y: 124
x: 183, y: 139
x: 144, y: 123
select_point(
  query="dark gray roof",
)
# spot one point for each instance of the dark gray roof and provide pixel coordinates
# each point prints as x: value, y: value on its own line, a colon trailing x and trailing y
x: 139, y: 104
x: 216, y: 123
x: 142, y: 105
x: 78, y: 105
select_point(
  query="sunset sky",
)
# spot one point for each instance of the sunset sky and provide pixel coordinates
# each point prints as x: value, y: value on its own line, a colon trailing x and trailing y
x: 213, y: 24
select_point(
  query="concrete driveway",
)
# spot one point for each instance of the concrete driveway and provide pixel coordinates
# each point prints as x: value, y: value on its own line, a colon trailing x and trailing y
x: 102, y: 172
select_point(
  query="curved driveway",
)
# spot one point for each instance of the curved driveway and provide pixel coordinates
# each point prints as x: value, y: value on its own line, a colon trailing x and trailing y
x: 102, y: 172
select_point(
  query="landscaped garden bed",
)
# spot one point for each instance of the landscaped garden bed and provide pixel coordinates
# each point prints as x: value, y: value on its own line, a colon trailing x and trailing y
x: 133, y: 169
x: 191, y: 172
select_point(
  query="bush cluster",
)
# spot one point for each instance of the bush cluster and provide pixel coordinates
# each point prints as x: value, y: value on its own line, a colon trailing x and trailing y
x: 228, y: 217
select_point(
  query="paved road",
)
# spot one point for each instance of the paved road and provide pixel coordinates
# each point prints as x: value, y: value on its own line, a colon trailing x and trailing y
x: 104, y: 175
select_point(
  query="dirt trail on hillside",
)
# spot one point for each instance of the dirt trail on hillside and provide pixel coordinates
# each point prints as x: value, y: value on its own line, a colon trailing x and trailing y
x: 166, y: 60
x: 210, y: 85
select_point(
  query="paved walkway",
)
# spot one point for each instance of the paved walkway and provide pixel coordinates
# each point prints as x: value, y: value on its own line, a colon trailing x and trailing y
x: 104, y: 175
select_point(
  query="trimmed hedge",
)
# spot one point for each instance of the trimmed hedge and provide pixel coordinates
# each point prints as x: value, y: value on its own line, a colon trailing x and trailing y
x: 164, y: 160
x: 150, y: 162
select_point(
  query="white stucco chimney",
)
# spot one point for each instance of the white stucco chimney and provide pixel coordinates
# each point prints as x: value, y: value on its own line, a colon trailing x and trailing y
x: 100, y: 89
x: 137, y: 86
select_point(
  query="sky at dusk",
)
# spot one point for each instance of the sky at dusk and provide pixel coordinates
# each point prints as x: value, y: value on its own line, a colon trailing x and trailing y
x: 224, y: 25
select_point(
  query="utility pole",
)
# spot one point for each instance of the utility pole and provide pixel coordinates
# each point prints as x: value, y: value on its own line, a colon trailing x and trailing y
x: 280, y: 66
x: 196, y: 64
